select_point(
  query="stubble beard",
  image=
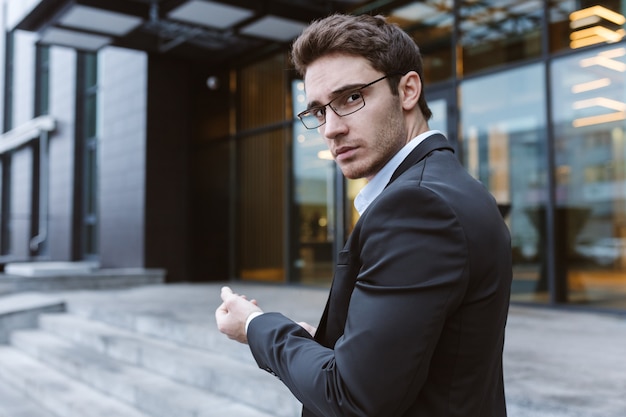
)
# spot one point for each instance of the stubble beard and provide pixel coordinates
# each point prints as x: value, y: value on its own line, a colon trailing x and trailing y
x: 389, y: 140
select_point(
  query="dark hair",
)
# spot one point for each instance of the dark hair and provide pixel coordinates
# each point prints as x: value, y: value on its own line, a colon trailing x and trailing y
x: 386, y: 47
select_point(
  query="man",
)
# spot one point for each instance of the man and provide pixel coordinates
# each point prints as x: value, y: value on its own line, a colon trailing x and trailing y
x: 414, y: 323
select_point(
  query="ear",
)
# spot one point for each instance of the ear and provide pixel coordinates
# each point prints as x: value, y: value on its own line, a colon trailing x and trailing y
x: 410, y: 89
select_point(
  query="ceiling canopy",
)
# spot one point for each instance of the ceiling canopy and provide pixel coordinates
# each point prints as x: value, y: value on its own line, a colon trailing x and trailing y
x: 212, y: 31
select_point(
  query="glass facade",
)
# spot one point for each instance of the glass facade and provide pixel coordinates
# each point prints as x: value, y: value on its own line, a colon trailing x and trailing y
x: 261, y: 154
x: 5, y: 158
x: 498, y: 32
x: 314, y: 193
x: 532, y: 95
x: 42, y: 80
x: 87, y: 154
x: 589, y: 121
x: 503, y: 125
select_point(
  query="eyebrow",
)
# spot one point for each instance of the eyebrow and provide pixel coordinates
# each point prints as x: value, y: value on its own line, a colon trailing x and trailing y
x: 336, y: 93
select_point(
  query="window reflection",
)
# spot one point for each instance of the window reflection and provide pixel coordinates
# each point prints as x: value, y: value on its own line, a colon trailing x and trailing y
x: 439, y: 121
x: 589, y: 112
x: 430, y: 24
x: 503, y: 142
x: 497, y: 32
x: 576, y: 24
x: 313, y: 192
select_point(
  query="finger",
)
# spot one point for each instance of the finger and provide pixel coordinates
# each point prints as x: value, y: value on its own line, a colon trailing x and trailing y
x: 226, y: 292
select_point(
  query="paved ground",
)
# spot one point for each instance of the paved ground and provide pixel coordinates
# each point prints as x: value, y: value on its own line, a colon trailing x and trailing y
x: 557, y: 363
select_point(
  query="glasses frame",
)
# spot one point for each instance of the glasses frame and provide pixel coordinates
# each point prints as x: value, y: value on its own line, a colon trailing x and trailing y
x: 312, y: 110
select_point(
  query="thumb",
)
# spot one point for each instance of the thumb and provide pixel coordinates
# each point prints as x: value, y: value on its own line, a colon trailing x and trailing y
x: 226, y: 292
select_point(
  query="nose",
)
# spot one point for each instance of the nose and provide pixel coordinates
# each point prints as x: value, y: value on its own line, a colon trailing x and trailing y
x: 335, y: 126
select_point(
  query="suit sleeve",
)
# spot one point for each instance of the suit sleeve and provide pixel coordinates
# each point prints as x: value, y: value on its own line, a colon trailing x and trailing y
x: 413, y: 273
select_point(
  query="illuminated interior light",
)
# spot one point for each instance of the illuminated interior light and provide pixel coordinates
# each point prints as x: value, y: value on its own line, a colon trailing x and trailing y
x: 581, y: 43
x: 596, y: 34
x: 591, y: 85
x: 603, y: 61
x: 600, y: 102
x: 608, y: 34
x: 590, y: 20
x: 594, y: 120
x: 596, y: 38
x: 600, y: 11
x: 614, y: 53
x: 326, y: 155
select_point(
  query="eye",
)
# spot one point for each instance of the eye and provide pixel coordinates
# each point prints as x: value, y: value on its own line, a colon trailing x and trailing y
x: 353, y: 97
x: 319, y: 113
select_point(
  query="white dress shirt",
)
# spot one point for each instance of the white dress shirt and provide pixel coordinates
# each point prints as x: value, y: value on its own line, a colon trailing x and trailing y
x: 378, y: 183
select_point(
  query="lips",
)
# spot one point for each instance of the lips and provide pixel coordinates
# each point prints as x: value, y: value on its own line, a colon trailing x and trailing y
x: 344, y: 152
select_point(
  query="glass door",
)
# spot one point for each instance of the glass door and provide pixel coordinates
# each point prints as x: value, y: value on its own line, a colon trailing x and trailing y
x: 313, y: 210
x: 443, y: 105
x: 589, y: 111
x: 503, y: 125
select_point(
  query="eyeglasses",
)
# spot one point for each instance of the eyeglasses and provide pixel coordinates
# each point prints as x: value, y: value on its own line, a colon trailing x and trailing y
x: 343, y: 105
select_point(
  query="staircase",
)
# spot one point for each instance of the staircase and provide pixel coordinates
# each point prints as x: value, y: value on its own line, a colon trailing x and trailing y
x: 97, y: 360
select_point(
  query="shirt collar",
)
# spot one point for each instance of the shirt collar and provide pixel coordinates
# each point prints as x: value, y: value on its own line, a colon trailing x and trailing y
x: 377, y: 184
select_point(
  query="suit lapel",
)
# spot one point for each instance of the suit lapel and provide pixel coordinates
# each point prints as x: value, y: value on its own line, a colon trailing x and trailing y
x: 432, y: 143
x: 347, y: 268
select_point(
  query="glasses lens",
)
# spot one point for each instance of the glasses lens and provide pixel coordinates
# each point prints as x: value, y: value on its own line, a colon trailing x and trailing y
x: 313, y: 118
x: 342, y: 106
x: 348, y: 103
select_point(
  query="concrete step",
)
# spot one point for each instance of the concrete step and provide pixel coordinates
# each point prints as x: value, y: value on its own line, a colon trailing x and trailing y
x: 60, y: 395
x: 20, y: 311
x: 240, y: 380
x: 15, y: 404
x: 202, y: 335
x: 152, y: 394
x: 68, y: 276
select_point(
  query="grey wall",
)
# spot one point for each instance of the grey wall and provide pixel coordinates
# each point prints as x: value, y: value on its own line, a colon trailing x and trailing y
x: 151, y: 109
x: 122, y: 157
x: 21, y: 164
x: 61, y: 153
x: 122, y: 152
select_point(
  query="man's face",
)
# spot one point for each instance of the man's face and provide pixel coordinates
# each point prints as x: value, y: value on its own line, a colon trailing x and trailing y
x: 362, y: 142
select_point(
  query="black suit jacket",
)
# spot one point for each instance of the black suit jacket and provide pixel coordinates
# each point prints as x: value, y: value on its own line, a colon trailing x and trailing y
x: 414, y: 323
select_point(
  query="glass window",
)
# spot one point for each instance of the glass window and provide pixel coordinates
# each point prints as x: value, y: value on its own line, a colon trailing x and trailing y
x: 430, y: 24
x: 261, y: 206
x: 261, y: 148
x: 262, y: 93
x: 503, y: 145
x: 7, y: 115
x: 5, y: 204
x: 314, y: 175
x: 439, y: 121
x: 88, y: 148
x: 42, y: 80
x: 589, y: 114
x: 496, y: 32
x: 91, y: 70
x: 91, y: 115
x: 576, y: 24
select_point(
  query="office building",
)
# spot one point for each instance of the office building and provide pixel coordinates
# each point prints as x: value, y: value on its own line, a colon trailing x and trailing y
x: 155, y: 133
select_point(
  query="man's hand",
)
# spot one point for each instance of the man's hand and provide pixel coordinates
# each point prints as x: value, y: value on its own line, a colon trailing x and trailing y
x: 231, y: 316
x: 310, y: 329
